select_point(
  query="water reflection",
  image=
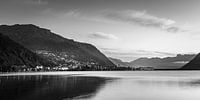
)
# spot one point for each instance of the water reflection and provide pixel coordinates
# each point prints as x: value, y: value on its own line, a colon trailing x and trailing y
x: 48, y: 87
x: 160, y: 88
x: 178, y: 83
x: 96, y: 86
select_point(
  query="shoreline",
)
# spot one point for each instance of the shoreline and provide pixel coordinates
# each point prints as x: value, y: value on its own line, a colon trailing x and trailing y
x: 41, y: 73
x: 71, y: 73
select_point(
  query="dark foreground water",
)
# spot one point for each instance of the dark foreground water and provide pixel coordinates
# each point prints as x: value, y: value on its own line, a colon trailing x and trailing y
x: 127, y: 85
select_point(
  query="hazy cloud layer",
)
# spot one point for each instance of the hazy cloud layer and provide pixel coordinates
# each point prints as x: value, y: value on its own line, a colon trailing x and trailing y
x: 100, y: 35
x: 142, y: 18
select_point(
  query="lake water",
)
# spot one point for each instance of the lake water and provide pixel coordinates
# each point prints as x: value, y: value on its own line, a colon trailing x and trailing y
x: 108, y: 85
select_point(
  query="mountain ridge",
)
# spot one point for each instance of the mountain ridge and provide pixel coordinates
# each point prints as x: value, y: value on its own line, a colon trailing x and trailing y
x: 35, y: 38
x: 156, y: 62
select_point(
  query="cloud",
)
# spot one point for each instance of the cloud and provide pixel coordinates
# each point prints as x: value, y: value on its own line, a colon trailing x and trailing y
x: 172, y: 29
x: 100, y: 35
x: 37, y: 2
x: 143, y: 19
x: 74, y: 13
x: 41, y: 2
x: 181, y: 62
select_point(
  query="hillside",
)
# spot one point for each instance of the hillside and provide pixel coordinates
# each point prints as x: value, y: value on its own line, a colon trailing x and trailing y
x: 194, y: 64
x: 13, y: 55
x: 55, y: 47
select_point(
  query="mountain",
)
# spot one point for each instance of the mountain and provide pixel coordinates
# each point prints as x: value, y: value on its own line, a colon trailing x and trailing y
x: 55, y: 47
x: 13, y: 54
x: 194, y: 64
x: 163, y: 63
x: 119, y: 62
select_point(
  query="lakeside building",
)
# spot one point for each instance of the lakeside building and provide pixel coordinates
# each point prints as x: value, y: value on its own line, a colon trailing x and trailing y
x: 145, y: 68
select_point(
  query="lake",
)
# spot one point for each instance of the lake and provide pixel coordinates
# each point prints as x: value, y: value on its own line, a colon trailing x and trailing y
x: 101, y: 85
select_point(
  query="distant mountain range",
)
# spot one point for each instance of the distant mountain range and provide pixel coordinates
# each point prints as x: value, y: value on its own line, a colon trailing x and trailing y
x: 13, y: 54
x: 194, y: 64
x: 158, y: 63
x: 54, y: 47
x: 164, y: 63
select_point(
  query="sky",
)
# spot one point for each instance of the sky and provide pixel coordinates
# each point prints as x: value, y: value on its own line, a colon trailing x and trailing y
x: 124, y: 29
